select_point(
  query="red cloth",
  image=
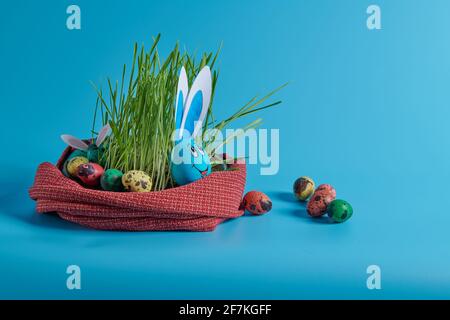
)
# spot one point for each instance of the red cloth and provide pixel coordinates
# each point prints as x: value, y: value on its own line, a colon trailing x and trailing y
x: 198, y: 206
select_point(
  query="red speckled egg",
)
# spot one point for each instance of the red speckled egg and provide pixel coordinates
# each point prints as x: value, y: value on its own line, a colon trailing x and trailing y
x: 90, y: 173
x: 319, y: 201
x: 257, y: 202
x: 327, y: 188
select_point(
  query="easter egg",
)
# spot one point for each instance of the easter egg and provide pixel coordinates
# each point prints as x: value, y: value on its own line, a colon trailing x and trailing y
x: 319, y: 201
x: 340, y: 210
x: 90, y: 173
x: 303, y: 188
x: 137, y: 181
x: 257, y: 202
x: 92, y: 153
x: 327, y: 188
x: 111, y: 180
x: 74, y: 163
x: 77, y: 153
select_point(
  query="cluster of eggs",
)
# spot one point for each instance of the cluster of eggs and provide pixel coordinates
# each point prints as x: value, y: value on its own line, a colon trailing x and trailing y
x: 322, y: 200
x: 78, y: 166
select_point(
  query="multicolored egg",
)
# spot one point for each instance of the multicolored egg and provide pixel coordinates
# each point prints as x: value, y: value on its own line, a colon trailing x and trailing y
x: 90, y: 173
x: 303, y: 188
x: 319, y: 201
x: 137, y: 181
x: 256, y: 202
x: 75, y: 153
x: 340, y: 210
x: 111, y: 180
x: 74, y: 163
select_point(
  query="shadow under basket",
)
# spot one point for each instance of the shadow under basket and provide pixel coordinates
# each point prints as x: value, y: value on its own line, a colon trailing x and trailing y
x: 198, y: 206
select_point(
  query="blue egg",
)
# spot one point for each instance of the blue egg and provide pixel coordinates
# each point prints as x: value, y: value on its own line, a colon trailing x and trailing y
x: 189, y: 162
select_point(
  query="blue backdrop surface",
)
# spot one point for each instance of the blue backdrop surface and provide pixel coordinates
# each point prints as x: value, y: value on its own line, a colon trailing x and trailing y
x: 365, y: 110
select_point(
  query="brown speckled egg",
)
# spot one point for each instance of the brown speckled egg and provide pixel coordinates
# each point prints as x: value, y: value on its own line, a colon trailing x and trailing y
x: 90, y: 173
x: 319, y: 201
x: 137, y: 181
x: 256, y: 202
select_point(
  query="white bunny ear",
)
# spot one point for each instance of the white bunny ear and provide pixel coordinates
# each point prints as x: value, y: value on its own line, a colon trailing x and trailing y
x: 102, y: 135
x: 74, y: 142
x: 197, y: 102
x: 182, y: 93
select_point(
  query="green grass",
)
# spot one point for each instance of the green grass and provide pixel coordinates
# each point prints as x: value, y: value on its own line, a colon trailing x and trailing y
x: 140, y: 110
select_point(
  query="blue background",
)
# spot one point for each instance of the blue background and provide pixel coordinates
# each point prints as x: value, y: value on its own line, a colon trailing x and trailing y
x: 366, y: 111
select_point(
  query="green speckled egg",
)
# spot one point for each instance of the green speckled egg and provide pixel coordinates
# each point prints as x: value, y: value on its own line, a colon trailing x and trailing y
x: 137, y: 181
x: 340, y: 210
x: 74, y: 163
x: 112, y: 180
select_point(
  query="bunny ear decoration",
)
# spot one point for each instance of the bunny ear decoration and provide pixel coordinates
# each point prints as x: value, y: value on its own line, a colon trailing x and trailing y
x: 74, y: 142
x: 102, y: 135
x: 197, y: 102
x: 182, y: 93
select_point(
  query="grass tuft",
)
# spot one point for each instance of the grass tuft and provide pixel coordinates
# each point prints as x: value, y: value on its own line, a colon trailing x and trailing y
x: 140, y: 110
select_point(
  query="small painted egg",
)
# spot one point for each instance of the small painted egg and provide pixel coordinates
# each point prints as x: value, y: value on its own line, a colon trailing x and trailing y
x: 303, y: 188
x: 111, y: 180
x: 340, y: 210
x: 77, y: 153
x: 74, y: 163
x: 326, y: 187
x: 137, y: 181
x: 256, y: 202
x: 319, y: 201
x: 90, y: 173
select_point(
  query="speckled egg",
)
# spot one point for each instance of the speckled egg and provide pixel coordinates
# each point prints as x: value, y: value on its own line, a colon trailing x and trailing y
x: 303, y: 188
x: 327, y: 188
x: 111, y: 180
x: 319, y: 201
x: 74, y: 163
x: 90, y: 173
x: 340, y: 210
x: 256, y: 202
x: 137, y: 181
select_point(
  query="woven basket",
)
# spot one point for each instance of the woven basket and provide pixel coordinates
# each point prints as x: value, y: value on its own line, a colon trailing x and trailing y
x: 198, y: 206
